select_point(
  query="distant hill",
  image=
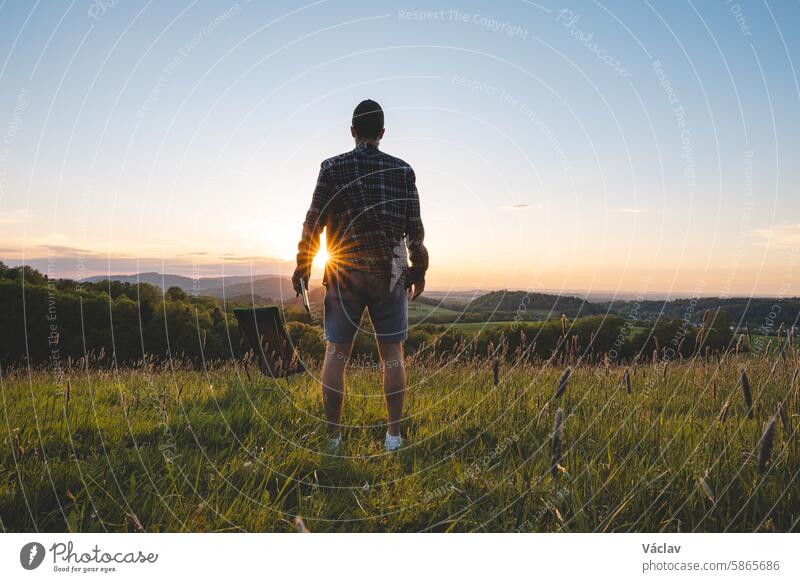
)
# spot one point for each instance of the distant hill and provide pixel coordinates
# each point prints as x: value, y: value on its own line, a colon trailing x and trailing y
x: 258, y: 289
x: 316, y: 297
x: 273, y: 287
x: 264, y: 285
x: 165, y: 281
x: 513, y: 301
x: 764, y: 314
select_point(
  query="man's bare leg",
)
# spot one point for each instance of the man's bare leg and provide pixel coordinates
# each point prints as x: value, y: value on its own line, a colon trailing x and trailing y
x: 394, y: 382
x: 336, y: 356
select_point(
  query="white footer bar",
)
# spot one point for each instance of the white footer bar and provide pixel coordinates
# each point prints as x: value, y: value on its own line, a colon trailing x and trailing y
x: 390, y: 557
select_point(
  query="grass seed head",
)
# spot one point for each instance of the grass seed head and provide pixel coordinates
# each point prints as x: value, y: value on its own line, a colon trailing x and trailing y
x: 562, y: 383
x: 765, y: 445
x: 746, y: 393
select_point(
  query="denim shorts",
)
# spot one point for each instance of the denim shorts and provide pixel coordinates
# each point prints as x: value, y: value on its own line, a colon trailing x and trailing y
x: 349, y: 292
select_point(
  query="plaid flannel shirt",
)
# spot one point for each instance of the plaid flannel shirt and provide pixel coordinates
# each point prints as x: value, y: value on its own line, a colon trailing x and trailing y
x: 367, y: 201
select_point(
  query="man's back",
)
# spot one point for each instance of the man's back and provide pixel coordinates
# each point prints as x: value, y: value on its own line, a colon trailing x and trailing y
x: 368, y: 203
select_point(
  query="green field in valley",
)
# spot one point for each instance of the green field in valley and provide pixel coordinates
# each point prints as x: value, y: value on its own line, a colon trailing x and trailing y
x: 417, y: 311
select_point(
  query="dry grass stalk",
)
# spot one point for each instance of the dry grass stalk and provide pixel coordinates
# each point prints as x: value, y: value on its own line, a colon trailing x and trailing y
x: 300, y: 526
x: 706, y: 488
x: 20, y: 449
x: 496, y: 371
x: 544, y: 409
x: 135, y: 522
x: 723, y: 412
x: 699, y: 341
x: 628, y: 386
x: 555, y: 443
x: 247, y: 371
x: 165, y: 405
x: 765, y: 445
x: 785, y: 420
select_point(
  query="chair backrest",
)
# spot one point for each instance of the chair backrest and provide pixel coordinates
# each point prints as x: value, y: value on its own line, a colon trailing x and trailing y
x: 265, y: 331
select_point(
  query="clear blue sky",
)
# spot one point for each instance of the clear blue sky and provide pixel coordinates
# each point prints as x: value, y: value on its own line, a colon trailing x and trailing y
x: 584, y: 145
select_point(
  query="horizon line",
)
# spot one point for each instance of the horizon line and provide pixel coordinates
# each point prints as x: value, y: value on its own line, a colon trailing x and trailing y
x: 672, y: 295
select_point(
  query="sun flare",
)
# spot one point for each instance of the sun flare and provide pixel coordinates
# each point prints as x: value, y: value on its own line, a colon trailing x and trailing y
x: 322, y: 254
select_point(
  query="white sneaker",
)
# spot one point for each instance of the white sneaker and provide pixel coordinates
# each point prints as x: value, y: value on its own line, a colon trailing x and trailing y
x: 334, y: 443
x: 393, y: 442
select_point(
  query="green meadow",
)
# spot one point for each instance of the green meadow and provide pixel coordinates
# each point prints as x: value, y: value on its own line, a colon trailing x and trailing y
x: 170, y: 449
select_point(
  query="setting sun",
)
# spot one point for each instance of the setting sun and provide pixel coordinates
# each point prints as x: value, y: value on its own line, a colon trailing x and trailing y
x: 322, y: 254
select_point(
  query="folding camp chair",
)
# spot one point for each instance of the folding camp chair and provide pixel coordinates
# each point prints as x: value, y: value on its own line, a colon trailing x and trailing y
x: 265, y: 331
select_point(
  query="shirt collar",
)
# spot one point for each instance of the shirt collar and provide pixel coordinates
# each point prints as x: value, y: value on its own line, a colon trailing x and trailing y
x: 366, y: 146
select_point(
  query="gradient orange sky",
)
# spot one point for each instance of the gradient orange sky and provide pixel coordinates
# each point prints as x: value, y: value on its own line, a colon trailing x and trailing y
x: 187, y: 139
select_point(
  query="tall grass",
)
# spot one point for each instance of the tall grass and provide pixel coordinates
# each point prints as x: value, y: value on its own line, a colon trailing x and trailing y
x: 169, y: 448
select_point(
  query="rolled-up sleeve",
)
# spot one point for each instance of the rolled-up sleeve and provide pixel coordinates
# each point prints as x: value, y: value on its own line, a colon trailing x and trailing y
x: 415, y: 231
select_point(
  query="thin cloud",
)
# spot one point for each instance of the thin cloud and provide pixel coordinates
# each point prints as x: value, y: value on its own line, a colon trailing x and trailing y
x: 66, y: 250
x: 521, y: 206
x: 232, y: 258
x: 781, y: 236
x: 631, y: 210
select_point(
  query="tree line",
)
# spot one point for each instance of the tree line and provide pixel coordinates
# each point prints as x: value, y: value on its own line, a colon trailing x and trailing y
x: 47, y: 320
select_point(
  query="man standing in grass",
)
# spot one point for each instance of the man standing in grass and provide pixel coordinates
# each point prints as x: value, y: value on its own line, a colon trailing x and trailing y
x: 367, y: 202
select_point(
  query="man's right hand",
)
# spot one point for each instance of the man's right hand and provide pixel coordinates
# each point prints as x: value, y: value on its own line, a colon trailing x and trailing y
x: 415, y: 284
x: 299, y: 275
x: 417, y: 289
